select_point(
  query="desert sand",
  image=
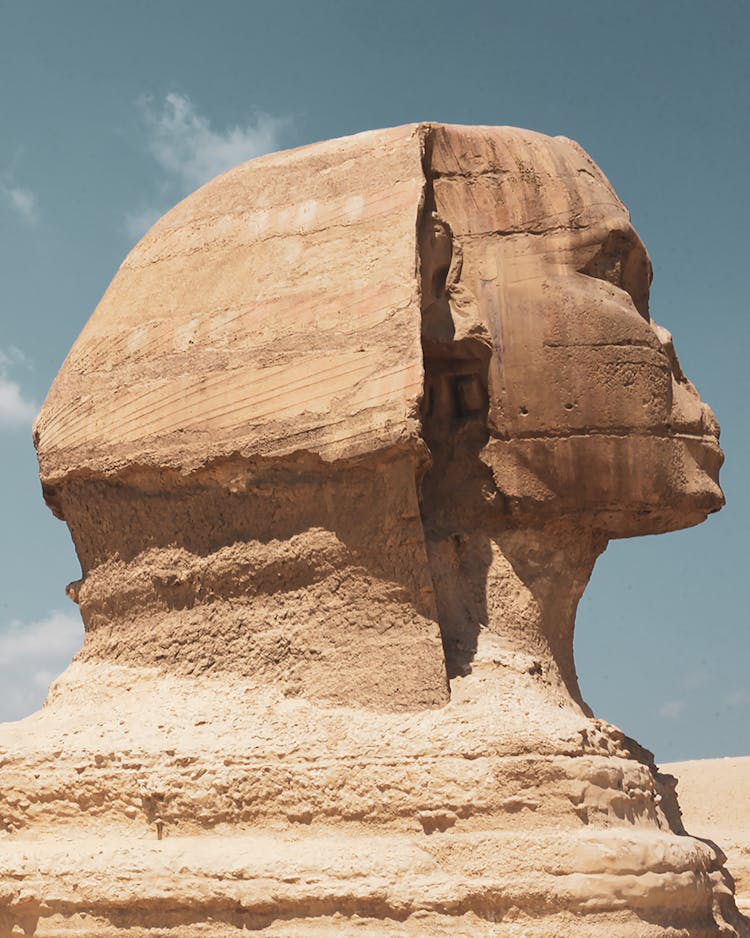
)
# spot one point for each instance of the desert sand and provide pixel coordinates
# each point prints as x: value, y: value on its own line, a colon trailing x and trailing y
x: 714, y: 796
x: 338, y: 450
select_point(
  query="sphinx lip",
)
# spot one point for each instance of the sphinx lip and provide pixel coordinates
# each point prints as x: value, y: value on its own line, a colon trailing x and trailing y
x: 708, y: 438
x: 692, y: 435
x: 707, y: 454
x: 668, y: 433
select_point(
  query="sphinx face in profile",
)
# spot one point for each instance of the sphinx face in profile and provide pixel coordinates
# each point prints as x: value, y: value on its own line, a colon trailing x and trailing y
x: 587, y: 408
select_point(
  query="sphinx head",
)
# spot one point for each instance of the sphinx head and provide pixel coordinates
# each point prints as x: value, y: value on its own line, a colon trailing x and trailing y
x: 371, y: 377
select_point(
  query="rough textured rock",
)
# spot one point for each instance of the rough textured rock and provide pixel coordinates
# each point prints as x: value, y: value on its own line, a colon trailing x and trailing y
x: 338, y: 451
x: 715, y: 802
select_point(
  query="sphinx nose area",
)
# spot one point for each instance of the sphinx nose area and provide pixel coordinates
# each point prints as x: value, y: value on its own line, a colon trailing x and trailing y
x: 689, y: 413
x: 667, y: 345
x: 710, y: 423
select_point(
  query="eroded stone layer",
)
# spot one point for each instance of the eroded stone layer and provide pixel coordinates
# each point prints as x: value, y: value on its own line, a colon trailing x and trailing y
x: 195, y: 806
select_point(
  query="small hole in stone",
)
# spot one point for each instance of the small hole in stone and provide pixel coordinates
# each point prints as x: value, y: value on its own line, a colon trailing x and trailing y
x: 568, y: 406
x: 524, y: 411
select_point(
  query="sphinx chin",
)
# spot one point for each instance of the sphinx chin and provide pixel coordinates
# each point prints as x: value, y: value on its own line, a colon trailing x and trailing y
x: 622, y: 484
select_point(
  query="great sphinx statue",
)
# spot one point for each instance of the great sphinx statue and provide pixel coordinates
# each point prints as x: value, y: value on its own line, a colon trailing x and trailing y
x: 338, y: 451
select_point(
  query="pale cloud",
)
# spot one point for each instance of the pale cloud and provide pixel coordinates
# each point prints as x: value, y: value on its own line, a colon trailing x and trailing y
x: 672, y: 709
x: 137, y: 223
x: 16, y: 409
x: 737, y: 698
x: 32, y: 654
x: 23, y: 201
x: 189, y: 151
x: 185, y: 145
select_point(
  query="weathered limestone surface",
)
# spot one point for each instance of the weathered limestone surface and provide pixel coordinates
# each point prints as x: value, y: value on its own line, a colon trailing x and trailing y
x: 338, y: 451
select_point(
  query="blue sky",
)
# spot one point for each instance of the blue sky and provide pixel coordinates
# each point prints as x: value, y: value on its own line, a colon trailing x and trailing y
x: 111, y: 112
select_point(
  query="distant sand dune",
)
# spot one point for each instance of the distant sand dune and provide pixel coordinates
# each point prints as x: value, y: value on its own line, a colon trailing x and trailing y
x: 714, y: 796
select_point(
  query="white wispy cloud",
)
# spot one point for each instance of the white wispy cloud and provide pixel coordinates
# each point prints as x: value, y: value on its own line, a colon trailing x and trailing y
x: 737, y: 698
x: 16, y: 409
x: 138, y: 222
x: 189, y: 151
x: 23, y: 201
x: 185, y: 145
x: 672, y: 709
x: 33, y: 654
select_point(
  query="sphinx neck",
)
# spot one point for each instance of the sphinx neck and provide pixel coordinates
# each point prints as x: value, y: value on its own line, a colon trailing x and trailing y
x: 507, y: 603
x: 506, y: 586
x: 311, y: 581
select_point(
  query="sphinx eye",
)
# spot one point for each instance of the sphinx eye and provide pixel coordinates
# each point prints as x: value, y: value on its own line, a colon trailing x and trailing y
x: 622, y: 261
